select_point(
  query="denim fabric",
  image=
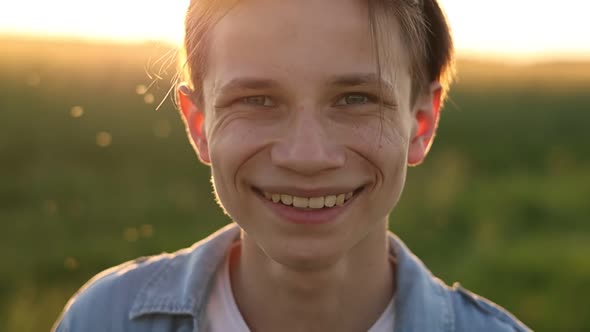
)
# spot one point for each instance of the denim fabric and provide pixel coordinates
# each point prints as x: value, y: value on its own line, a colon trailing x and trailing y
x: 169, y: 292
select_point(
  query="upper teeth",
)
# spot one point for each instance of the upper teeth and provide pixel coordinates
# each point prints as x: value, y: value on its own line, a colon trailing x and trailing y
x: 309, y: 202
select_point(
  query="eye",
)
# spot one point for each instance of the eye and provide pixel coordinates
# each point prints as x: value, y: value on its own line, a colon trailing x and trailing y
x: 258, y: 101
x: 355, y: 99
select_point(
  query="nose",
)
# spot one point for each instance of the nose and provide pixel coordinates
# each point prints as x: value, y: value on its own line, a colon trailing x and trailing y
x: 305, y: 147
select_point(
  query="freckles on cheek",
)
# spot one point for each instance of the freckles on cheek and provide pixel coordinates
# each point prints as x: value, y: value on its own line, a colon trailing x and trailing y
x: 381, y: 135
x: 384, y: 148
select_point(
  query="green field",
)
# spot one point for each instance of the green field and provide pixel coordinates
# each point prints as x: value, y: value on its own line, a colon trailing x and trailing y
x: 501, y: 204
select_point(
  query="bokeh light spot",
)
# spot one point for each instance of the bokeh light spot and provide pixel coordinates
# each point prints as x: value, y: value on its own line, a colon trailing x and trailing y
x: 70, y: 263
x: 50, y: 207
x: 162, y: 129
x: 146, y: 231
x: 141, y: 89
x: 104, y: 139
x: 76, y: 111
x: 130, y: 234
x: 149, y: 98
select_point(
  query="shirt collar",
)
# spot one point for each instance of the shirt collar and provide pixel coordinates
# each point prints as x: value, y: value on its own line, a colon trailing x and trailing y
x: 182, y: 284
x: 422, y: 302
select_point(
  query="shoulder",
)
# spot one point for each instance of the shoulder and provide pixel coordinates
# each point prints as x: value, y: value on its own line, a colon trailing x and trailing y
x: 108, y: 297
x: 426, y: 303
x: 154, y: 288
x: 475, y: 313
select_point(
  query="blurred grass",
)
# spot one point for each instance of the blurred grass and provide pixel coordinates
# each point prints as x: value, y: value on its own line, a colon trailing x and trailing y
x: 500, y: 204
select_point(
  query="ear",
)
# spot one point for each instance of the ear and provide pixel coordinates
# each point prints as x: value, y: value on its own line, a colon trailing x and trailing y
x: 194, y: 121
x: 426, y: 114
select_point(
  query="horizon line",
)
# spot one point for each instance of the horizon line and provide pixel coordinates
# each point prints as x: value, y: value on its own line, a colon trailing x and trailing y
x: 542, y: 56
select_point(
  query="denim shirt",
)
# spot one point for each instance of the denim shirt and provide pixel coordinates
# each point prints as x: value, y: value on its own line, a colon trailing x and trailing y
x: 169, y: 292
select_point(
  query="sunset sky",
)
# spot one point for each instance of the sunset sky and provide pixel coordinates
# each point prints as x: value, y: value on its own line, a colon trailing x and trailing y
x: 513, y: 28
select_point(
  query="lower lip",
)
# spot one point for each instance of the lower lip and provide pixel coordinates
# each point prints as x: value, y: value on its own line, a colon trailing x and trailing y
x: 307, y: 216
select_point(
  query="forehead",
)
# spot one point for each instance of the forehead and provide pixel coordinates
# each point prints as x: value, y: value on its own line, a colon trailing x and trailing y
x: 301, y: 40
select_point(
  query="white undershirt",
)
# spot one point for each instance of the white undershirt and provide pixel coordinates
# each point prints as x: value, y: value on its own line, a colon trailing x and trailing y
x: 223, y: 314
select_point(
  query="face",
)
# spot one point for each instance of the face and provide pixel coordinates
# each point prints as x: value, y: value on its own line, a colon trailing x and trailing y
x: 292, y: 112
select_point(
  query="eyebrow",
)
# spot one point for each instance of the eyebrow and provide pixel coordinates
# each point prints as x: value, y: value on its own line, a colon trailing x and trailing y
x: 361, y: 79
x: 346, y: 80
x: 248, y: 83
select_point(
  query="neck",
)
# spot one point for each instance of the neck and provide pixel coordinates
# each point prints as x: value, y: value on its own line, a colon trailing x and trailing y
x: 347, y: 295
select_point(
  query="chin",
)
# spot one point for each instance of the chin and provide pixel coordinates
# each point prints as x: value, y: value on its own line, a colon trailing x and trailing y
x: 305, y: 256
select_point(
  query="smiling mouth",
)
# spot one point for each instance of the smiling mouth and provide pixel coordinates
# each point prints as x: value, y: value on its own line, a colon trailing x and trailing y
x: 309, y: 203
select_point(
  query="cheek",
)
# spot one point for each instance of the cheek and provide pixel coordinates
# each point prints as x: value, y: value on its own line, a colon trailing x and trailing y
x: 231, y: 140
x: 381, y: 140
x: 383, y: 146
x: 231, y: 147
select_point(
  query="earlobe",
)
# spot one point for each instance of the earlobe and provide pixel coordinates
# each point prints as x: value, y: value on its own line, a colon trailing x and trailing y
x: 194, y: 121
x: 426, y: 116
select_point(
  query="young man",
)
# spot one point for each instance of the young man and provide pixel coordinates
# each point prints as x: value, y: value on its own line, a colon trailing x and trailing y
x: 308, y: 113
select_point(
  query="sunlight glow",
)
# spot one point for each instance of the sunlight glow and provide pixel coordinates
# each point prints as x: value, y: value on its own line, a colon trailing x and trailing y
x: 128, y: 20
x: 503, y: 27
x: 521, y: 27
